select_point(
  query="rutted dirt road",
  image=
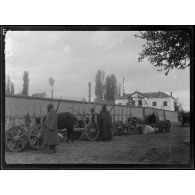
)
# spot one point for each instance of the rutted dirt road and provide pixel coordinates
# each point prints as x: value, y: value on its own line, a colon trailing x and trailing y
x: 126, y: 149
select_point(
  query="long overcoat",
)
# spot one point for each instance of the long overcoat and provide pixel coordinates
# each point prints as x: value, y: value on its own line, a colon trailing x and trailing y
x: 51, y: 136
x: 105, y: 125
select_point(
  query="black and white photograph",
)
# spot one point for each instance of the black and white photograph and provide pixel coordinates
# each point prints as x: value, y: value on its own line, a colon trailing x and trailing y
x: 97, y: 97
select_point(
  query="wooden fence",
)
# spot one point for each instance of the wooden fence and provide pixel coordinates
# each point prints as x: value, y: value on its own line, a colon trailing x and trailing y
x: 16, y: 108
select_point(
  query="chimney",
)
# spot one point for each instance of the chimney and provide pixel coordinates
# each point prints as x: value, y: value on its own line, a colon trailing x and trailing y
x: 171, y: 94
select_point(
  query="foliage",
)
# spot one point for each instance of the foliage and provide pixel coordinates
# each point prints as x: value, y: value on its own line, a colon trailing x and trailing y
x: 110, y: 87
x: 39, y: 95
x: 178, y: 105
x: 119, y: 89
x: 25, y: 83
x: 12, y: 89
x: 99, y: 84
x: 178, y: 108
x: 8, y: 83
x: 9, y: 86
x: 51, y: 81
x: 166, y: 50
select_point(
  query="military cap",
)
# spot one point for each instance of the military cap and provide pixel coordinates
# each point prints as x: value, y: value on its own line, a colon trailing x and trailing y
x: 49, y: 106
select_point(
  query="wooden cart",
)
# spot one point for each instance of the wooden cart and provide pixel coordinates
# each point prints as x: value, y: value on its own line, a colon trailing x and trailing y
x: 17, y: 137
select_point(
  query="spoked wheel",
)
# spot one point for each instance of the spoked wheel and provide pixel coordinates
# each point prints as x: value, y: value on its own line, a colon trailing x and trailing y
x: 91, y: 132
x: 132, y: 130
x: 36, y: 136
x: 162, y: 128
x: 120, y: 131
x: 16, y: 139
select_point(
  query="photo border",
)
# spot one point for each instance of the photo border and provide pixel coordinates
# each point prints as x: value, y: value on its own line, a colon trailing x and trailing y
x: 4, y: 165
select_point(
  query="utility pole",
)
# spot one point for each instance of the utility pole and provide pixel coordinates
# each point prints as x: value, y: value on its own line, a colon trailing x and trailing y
x: 123, y: 86
x: 51, y: 83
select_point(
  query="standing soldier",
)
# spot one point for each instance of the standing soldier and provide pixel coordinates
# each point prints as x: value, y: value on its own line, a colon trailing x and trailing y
x: 51, y: 137
x: 105, y: 124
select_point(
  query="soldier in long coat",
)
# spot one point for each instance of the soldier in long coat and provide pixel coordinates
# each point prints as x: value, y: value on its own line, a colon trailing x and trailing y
x: 51, y: 136
x: 105, y: 124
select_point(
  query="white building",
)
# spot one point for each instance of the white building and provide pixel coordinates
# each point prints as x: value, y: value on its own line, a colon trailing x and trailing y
x: 154, y: 99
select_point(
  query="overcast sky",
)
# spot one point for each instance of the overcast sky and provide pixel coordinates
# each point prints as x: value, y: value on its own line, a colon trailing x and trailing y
x: 72, y: 58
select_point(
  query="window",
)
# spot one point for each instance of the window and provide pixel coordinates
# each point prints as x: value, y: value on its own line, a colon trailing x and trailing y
x: 165, y: 103
x: 154, y: 103
x: 140, y: 103
x: 133, y: 102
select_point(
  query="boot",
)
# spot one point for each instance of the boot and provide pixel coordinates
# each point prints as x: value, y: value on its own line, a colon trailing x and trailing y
x: 52, y: 149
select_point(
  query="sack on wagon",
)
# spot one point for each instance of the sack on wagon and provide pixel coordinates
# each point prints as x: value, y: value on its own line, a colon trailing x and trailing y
x: 148, y: 129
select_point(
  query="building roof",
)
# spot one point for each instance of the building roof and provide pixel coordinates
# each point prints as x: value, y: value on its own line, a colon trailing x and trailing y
x: 158, y: 94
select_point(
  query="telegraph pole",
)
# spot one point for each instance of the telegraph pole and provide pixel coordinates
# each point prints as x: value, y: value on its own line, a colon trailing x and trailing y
x: 123, y: 86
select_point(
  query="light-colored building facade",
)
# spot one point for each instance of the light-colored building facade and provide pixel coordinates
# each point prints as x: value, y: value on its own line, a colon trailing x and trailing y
x: 154, y: 99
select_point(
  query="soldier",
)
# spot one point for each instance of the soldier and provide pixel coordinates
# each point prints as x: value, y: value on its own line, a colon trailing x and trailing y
x: 93, y: 115
x: 105, y: 124
x: 51, y: 137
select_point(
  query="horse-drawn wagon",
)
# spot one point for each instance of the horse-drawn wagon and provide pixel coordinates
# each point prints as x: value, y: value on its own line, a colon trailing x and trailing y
x: 157, y: 120
x: 32, y: 133
x: 185, y: 118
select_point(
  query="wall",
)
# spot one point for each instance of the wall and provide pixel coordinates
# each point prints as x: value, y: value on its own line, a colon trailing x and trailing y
x: 121, y: 101
x: 136, y: 98
x: 170, y: 103
x: 18, y: 106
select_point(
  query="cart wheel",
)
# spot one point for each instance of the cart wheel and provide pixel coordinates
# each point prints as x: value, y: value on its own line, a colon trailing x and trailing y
x: 162, y: 128
x: 36, y: 136
x: 132, y: 130
x: 91, y: 132
x: 77, y: 134
x: 16, y: 139
x: 182, y: 123
x: 119, y: 131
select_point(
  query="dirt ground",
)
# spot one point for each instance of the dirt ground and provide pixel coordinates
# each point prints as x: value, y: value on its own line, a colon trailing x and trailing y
x: 127, y: 149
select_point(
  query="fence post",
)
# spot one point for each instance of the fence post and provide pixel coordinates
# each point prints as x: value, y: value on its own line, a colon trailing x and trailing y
x: 7, y: 122
x: 122, y: 113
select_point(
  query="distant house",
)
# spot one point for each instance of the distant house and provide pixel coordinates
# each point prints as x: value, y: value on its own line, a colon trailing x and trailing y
x: 152, y: 99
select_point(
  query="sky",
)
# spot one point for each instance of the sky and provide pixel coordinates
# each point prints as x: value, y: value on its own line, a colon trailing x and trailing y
x: 72, y: 58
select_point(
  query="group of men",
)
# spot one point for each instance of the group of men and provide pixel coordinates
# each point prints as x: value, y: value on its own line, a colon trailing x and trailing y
x: 51, y: 136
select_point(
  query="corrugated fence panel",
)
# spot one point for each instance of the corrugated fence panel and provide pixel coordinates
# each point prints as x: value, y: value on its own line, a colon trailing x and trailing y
x: 137, y: 112
x: 18, y: 106
x: 172, y: 116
